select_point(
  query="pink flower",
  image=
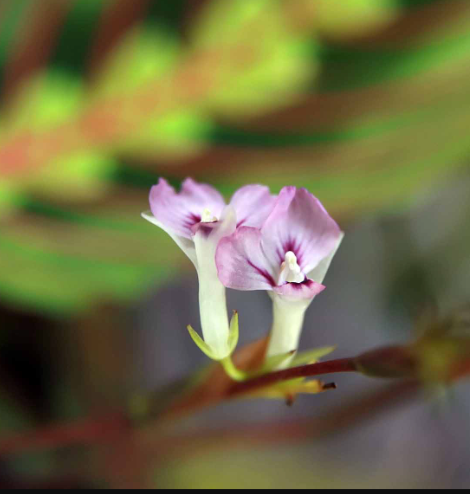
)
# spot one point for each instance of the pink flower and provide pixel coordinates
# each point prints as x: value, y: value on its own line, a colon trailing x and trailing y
x: 289, y: 257
x: 197, y: 218
x: 200, y: 206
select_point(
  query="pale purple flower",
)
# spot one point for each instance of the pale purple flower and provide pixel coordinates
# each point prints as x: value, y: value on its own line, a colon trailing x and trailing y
x: 197, y: 218
x: 289, y: 257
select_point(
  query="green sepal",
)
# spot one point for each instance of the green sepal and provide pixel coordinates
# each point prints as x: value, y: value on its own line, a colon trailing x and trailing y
x: 311, y: 356
x: 274, y: 362
x: 234, y: 333
x: 289, y: 390
x: 203, y: 346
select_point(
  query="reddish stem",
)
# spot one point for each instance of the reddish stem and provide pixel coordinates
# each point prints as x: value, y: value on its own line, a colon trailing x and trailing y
x: 312, y: 370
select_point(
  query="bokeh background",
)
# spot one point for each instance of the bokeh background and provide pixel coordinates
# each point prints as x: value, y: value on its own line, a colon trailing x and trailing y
x: 364, y: 102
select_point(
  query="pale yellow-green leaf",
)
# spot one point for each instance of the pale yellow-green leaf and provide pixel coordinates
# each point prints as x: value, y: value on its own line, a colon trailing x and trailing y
x: 82, y: 176
x: 224, y: 23
x: 143, y: 56
x: 271, y: 78
x: 8, y: 196
x: 172, y: 136
x: 46, y: 101
x: 354, y: 17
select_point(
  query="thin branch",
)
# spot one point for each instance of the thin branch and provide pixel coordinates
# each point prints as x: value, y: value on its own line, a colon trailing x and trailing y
x: 313, y: 370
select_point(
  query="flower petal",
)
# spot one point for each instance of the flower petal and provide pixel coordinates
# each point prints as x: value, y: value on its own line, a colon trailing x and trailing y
x: 299, y: 223
x: 241, y: 263
x: 307, y: 290
x: 319, y: 272
x: 253, y: 204
x: 185, y: 244
x: 179, y: 212
x: 203, y: 193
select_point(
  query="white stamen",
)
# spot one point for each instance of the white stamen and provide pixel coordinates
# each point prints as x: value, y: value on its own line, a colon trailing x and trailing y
x: 290, y: 270
x: 207, y: 216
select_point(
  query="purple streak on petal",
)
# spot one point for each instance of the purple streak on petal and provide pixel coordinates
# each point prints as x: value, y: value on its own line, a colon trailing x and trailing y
x: 299, y: 223
x: 292, y: 245
x: 264, y: 273
x: 301, y: 291
x: 253, y: 204
x: 241, y: 263
x: 205, y: 228
x: 179, y: 212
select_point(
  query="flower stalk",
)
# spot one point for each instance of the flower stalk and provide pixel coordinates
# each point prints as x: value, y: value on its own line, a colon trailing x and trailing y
x: 288, y: 321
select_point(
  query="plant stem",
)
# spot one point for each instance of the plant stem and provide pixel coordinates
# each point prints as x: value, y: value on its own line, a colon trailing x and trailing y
x: 312, y: 370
